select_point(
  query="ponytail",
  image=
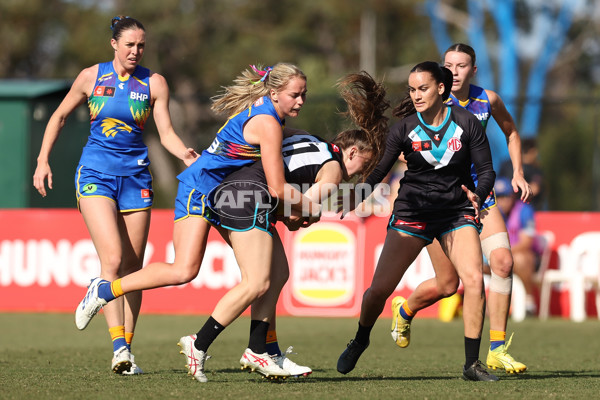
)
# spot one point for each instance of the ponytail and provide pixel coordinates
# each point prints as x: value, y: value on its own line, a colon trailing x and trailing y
x: 254, y: 83
x: 367, y: 104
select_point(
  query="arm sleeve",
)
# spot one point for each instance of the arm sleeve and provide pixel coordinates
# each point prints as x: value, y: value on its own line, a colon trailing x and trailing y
x: 481, y: 157
x: 393, y: 149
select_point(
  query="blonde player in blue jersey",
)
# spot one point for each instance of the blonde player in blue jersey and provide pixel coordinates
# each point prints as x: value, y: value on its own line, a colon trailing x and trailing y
x: 484, y: 104
x: 313, y: 166
x: 257, y: 105
x: 113, y: 181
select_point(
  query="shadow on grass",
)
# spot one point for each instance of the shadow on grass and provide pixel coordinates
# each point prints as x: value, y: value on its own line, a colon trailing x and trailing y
x: 315, y: 378
x: 538, y: 375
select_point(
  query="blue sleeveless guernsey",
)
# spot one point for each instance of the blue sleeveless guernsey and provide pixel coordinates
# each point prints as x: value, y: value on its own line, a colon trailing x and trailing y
x: 119, y: 108
x: 229, y: 151
x: 477, y: 103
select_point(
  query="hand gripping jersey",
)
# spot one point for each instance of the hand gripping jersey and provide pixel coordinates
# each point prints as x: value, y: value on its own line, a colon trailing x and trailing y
x: 229, y: 151
x: 119, y: 108
x: 438, y: 160
x: 243, y: 200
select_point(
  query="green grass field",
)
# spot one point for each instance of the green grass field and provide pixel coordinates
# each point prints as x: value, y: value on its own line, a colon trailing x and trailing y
x: 43, y: 356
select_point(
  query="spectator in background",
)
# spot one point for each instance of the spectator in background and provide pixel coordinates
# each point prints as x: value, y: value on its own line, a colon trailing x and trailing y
x: 531, y: 171
x: 520, y: 223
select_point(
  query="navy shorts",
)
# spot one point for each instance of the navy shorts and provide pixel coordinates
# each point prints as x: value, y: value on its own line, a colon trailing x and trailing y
x: 191, y: 203
x: 130, y: 193
x: 429, y: 226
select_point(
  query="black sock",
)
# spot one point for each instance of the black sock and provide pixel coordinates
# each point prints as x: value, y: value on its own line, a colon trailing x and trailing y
x: 471, y: 351
x: 362, y: 334
x: 258, y: 336
x: 208, y: 334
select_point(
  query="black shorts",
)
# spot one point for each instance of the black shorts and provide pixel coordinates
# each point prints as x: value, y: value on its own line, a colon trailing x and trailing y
x: 243, y: 205
x: 429, y: 226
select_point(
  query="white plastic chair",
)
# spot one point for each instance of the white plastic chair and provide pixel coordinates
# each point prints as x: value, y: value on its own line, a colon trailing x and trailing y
x: 546, y: 242
x: 519, y: 298
x: 579, y: 268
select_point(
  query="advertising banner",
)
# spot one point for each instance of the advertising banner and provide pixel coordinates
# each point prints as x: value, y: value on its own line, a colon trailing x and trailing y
x: 47, y: 259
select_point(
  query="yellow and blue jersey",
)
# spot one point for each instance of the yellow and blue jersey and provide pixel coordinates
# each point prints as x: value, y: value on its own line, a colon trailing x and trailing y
x: 478, y: 104
x: 229, y: 151
x: 119, y: 108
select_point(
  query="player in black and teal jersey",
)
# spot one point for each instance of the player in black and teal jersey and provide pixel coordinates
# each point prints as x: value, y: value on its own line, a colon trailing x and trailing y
x: 437, y: 199
x: 484, y: 104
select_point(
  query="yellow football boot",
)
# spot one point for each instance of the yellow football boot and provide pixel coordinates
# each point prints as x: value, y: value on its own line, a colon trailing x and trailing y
x: 500, y: 359
x: 400, y: 326
x: 450, y: 307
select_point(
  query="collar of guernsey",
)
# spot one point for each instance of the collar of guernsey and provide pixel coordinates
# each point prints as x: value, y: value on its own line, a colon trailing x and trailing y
x: 119, y: 108
x: 478, y: 104
x: 229, y: 150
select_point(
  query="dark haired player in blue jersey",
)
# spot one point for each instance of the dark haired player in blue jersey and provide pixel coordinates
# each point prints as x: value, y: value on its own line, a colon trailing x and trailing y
x: 437, y: 199
x: 484, y: 104
x: 113, y: 181
x: 257, y: 105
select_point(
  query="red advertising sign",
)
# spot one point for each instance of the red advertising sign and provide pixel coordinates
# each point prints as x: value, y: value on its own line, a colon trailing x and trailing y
x: 47, y: 259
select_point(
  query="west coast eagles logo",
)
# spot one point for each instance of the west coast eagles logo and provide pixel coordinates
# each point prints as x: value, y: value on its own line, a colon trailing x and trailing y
x: 111, y: 126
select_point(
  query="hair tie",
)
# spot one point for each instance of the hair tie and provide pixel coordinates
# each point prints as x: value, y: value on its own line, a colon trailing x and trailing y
x: 262, y: 73
x: 113, y: 23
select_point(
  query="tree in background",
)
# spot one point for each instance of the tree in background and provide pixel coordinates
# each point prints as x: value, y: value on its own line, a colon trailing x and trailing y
x: 522, y: 42
x: 529, y: 32
x: 200, y: 45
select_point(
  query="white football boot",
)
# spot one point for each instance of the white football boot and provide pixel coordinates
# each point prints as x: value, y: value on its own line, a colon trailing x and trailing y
x: 195, y: 358
x: 135, y: 369
x: 288, y: 365
x: 263, y: 364
x: 90, y: 305
x: 121, y: 360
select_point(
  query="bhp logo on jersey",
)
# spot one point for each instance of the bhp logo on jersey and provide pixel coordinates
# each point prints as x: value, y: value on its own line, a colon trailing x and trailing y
x: 454, y: 144
x: 242, y: 200
x: 138, y: 96
x: 482, y: 116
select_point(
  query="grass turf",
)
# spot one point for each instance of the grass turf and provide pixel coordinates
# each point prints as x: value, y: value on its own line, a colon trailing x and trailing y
x: 44, y: 356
